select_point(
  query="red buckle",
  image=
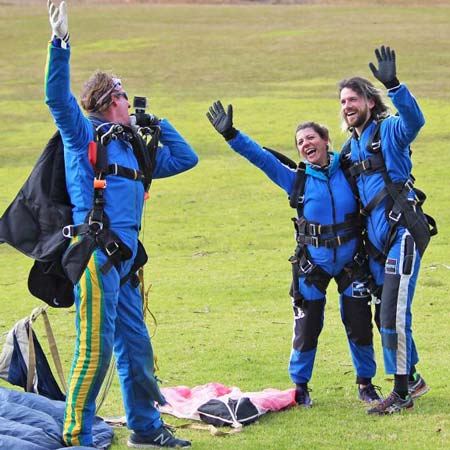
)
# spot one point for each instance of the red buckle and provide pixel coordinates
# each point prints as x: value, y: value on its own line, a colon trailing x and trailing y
x: 92, y: 153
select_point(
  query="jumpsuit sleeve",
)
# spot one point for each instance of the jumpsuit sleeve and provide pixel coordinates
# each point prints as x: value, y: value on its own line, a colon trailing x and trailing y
x: 76, y: 130
x: 405, y: 127
x: 175, y: 155
x: 279, y: 173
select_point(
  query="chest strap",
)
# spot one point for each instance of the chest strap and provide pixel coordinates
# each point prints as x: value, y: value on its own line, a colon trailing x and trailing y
x: 373, y: 164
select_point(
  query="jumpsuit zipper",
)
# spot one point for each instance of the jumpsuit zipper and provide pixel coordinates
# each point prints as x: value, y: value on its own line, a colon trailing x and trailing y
x: 333, y: 209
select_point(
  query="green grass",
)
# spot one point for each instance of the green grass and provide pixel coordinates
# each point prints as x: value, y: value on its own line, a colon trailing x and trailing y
x: 219, y: 236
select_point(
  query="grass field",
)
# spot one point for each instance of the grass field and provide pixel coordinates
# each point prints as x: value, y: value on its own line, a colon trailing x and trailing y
x: 219, y: 236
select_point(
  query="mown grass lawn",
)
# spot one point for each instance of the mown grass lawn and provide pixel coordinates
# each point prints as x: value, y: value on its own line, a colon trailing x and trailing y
x: 219, y: 236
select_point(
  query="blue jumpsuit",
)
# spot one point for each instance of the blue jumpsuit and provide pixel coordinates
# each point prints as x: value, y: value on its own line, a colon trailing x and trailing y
x: 399, y: 274
x: 109, y: 317
x: 328, y: 199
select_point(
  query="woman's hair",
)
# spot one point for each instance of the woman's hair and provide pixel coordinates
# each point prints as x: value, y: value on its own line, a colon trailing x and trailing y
x: 321, y: 130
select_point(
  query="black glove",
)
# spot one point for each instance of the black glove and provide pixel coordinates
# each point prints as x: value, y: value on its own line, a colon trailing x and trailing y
x: 387, y: 72
x: 222, y: 121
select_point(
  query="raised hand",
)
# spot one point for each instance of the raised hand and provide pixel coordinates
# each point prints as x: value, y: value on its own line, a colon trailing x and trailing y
x: 58, y: 20
x: 222, y: 121
x: 387, y: 71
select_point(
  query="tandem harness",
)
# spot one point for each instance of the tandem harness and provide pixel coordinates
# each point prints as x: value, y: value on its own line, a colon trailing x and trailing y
x: 312, y: 233
x: 400, y: 208
x: 95, y: 232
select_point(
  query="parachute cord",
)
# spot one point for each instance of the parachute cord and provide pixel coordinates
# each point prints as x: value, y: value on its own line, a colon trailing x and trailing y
x: 145, y: 293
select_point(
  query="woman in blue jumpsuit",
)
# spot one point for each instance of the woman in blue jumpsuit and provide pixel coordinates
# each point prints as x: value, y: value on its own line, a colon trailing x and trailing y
x: 109, y: 314
x: 328, y: 199
x: 394, y: 263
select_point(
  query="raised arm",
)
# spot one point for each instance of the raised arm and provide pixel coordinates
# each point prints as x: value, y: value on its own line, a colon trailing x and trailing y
x: 75, y: 129
x: 222, y: 121
x: 410, y: 118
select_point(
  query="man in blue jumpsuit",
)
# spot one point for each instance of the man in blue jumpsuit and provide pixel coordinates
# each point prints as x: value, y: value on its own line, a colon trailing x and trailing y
x: 109, y: 314
x: 329, y: 202
x: 394, y: 258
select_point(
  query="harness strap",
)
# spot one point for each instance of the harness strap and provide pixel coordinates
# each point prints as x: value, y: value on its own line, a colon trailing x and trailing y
x: 374, y: 202
x: 297, y: 197
x: 333, y: 242
x: 308, y: 228
x: 373, y: 164
x: 125, y: 172
x: 374, y: 253
x: 303, y: 267
x: 356, y: 270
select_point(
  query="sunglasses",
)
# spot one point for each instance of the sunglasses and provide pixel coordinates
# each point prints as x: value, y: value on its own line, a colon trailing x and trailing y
x: 121, y: 94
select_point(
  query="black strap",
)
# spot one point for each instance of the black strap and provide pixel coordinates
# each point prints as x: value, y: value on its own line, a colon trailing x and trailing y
x: 305, y: 227
x: 333, y: 242
x: 282, y: 158
x: 373, y: 164
x: 144, y: 152
x: 374, y: 202
x: 297, y: 197
x: 302, y: 267
x: 356, y: 270
x: 125, y: 172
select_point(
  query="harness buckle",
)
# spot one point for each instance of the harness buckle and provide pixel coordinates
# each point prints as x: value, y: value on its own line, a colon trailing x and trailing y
x: 111, y: 248
x: 409, y: 184
x: 366, y: 164
x: 95, y: 225
x: 307, y: 267
x: 395, y: 217
x: 359, y: 258
x: 68, y: 231
x: 314, y: 241
x: 376, y: 145
x: 99, y: 183
x: 313, y: 229
x: 301, y: 199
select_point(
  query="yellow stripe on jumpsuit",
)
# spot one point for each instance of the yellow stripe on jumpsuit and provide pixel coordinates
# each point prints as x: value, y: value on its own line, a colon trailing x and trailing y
x: 109, y: 316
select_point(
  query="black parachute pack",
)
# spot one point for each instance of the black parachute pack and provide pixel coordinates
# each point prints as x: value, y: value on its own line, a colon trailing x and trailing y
x: 230, y: 412
x: 400, y: 208
x: 39, y: 220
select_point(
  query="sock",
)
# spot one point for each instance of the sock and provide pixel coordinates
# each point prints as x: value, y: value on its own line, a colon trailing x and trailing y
x: 401, y: 385
x: 412, y: 374
x: 363, y: 381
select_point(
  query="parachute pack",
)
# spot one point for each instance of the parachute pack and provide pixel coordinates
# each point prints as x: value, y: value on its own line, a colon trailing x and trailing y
x: 39, y: 221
